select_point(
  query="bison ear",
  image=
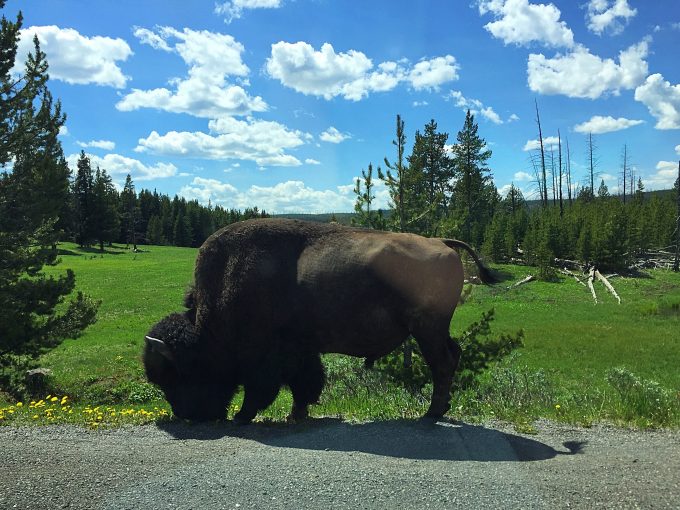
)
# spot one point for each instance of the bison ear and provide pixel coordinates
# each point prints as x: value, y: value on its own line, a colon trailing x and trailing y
x: 160, y: 347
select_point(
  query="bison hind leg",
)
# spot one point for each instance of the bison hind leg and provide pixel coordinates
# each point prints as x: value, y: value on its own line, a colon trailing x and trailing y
x: 306, y: 384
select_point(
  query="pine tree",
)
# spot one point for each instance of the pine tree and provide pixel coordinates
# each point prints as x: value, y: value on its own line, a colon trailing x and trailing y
x: 471, y: 197
x: 105, y: 217
x: 83, y: 197
x: 30, y: 323
x: 396, y: 180
x: 130, y: 213
x: 363, y: 215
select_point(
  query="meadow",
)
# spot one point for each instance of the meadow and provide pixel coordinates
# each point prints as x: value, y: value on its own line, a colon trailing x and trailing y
x: 581, y: 363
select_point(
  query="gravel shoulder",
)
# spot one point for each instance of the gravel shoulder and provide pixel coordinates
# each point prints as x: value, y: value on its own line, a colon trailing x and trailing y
x: 328, y: 463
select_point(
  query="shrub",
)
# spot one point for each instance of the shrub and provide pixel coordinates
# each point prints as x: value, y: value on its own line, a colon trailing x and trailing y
x: 480, y: 351
x: 643, y: 400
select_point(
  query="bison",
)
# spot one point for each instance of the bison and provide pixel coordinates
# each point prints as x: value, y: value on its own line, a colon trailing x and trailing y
x: 271, y: 295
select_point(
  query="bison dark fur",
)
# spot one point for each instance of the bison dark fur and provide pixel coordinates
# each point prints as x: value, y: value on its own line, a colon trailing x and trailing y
x: 271, y: 295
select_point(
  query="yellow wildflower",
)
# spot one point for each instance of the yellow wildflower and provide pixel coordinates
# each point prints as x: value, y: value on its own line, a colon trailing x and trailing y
x: 20, y: 404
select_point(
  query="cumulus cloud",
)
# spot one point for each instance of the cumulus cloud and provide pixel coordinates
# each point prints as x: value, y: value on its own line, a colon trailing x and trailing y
x: 205, y: 92
x: 234, y: 9
x: 677, y: 150
x: 264, y: 142
x: 598, y: 125
x: 533, y: 145
x: 523, y: 177
x: 118, y: 166
x: 332, y: 135
x: 310, y: 161
x: 75, y: 58
x: 289, y: 196
x: 584, y: 75
x: 521, y: 23
x: 476, y: 107
x: 662, y: 100
x: 665, y: 176
x: 351, y: 75
x: 607, y: 15
x: 99, y: 144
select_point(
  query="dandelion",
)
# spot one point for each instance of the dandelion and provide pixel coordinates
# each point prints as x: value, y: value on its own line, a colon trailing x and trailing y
x: 557, y: 406
x: 20, y: 404
x: 53, y: 399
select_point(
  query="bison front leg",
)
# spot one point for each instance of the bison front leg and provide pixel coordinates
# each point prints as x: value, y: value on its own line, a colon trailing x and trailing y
x: 442, y: 356
x: 259, y: 393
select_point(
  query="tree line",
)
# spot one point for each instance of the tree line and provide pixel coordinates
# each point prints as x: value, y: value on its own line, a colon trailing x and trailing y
x: 448, y: 191
x: 98, y: 214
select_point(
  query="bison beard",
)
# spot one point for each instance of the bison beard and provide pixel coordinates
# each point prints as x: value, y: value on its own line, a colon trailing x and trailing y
x: 271, y: 295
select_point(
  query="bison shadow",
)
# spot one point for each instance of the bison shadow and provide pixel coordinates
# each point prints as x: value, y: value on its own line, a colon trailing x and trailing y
x: 410, y: 439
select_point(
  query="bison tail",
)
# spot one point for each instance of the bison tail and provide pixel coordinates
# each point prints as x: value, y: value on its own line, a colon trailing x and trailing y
x: 485, y: 273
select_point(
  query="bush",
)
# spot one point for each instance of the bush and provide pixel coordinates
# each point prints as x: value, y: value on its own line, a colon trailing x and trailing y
x: 480, y: 351
x: 643, y: 400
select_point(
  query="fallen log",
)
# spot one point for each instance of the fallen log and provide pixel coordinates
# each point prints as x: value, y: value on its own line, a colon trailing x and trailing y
x: 528, y: 279
x: 569, y: 273
x: 591, y: 276
x: 609, y: 286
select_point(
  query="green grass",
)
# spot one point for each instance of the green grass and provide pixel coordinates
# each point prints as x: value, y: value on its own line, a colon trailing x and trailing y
x: 581, y: 362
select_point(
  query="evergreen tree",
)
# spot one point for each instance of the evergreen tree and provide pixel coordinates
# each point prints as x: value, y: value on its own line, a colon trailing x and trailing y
x: 603, y: 190
x: 472, y: 198
x: 396, y: 179
x: 83, y: 197
x: 29, y: 320
x: 154, y: 231
x: 363, y: 215
x: 130, y: 214
x: 430, y: 179
x: 105, y: 217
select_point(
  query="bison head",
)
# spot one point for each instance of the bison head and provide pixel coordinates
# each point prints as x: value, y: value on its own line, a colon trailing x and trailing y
x: 176, y: 360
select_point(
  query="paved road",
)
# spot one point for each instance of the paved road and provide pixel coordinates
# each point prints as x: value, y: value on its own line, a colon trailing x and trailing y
x: 329, y: 464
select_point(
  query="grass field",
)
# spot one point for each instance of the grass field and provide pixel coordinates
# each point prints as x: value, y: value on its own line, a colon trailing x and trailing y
x: 565, y: 371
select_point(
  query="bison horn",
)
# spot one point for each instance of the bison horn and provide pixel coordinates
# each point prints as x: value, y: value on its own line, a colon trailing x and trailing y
x: 160, y: 347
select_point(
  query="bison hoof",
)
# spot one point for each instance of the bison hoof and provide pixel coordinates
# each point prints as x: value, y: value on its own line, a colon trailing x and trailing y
x: 437, y: 412
x: 297, y: 416
x: 240, y: 419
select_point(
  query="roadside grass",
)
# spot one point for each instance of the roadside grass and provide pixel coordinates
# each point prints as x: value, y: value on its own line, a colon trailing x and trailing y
x: 581, y: 363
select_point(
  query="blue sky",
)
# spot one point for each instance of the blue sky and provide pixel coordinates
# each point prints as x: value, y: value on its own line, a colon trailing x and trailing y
x: 282, y: 103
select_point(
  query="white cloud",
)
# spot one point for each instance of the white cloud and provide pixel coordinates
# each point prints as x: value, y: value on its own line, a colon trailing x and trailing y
x: 311, y: 161
x: 513, y: 118
x: 419, y: 103
x: 662, y: 99
x: 63, y: 131
x: 252, y: 140
x: 523, y: 177
x: 119, y: 166
x: 582, y: 74
x: 430, y: 74
x: 205, y: 91
x: 99, y: 144
x: 476, y: 107
x: 677, y: 150
x: 350, y: 75
x: 598, y: 125
x: 532, y: 145
x: 520, y: 22
x: 234, y: 9
x: 75, y: 58
x: 290, y: 196
x: 665, y: 176
x: 609, y: 15
x: 332, y: 135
